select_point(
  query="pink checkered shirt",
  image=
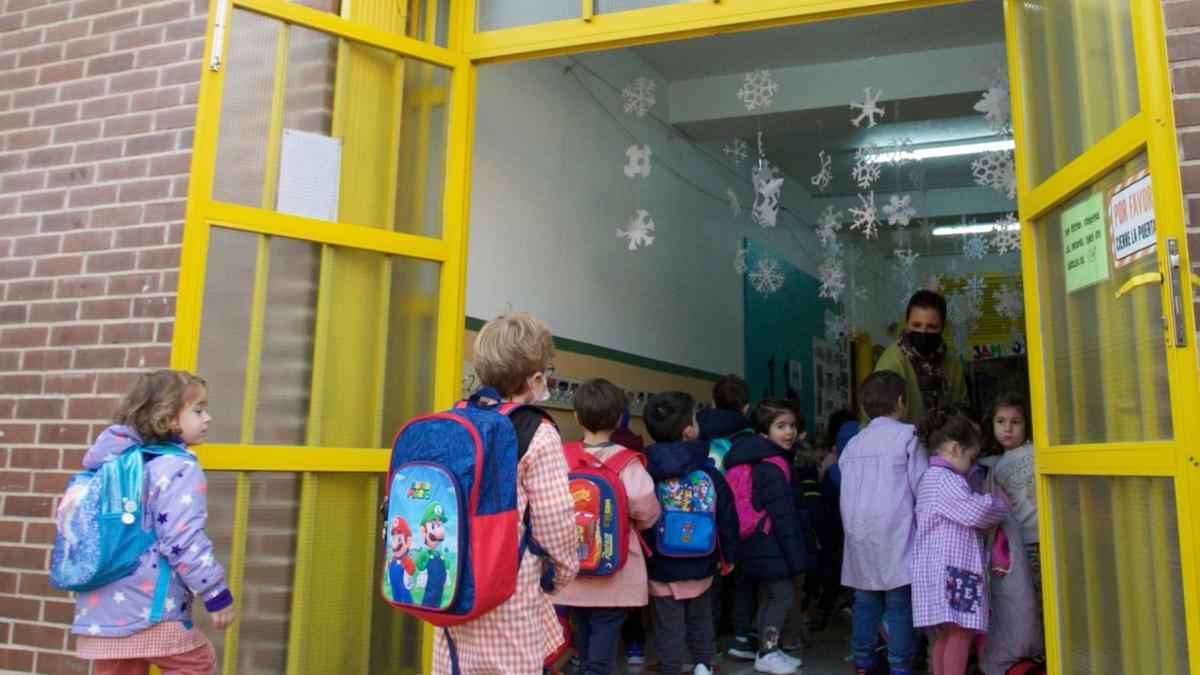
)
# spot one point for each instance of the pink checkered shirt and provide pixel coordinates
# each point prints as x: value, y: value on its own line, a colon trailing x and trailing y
x: 948, y: 575
x: 160, y: 639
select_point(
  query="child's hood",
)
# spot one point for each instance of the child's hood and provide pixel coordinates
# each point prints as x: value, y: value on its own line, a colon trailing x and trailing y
x: 676, y: 459
x: 720, y: 423
x: 113, y: 441
x: 751, y: 449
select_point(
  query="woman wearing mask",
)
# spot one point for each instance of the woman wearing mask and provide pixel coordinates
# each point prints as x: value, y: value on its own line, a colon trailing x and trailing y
x: 931, y: 369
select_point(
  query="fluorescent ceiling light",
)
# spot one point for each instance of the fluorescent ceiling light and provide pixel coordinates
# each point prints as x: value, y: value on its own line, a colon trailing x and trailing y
x: 942, y: 151
x: 972, y: 228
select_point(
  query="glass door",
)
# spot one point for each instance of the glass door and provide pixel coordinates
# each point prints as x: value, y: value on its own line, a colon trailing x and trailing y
x: 1100, y: 205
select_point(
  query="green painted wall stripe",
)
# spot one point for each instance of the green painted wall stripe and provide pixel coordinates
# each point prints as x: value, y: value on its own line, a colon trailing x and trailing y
x: 588, y: 349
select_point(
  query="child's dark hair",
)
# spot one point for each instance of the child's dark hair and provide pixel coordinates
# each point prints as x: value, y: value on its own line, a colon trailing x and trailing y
x: 599, y: 405
x: 836, y: 419
x: 944, y: 424
x: 731, y: 393
x: 154, y: 401
x: 667, y: 414
x: 1006, y: 399
x: 881, y: 392
x: 767, y: 411
x: 928, y: 300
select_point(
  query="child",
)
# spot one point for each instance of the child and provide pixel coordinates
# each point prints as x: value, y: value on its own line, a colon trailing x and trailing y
x: 726, y: 417
x: 880, y: 469
x: 599, y: 605
x: 776, y: 551
x: 947, y: 565
x: 512, y: 354
x: 1014, y: 473
x: 680, y: 602
x: 112, y: 622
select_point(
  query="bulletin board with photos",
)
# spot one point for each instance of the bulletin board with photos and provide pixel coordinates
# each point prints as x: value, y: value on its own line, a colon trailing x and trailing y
x: 831, y: 378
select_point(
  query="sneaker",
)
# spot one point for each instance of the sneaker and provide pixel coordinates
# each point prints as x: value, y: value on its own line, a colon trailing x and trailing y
x: 796, y: 659
x: 775, y: 663
x: 742, y: 649
x: 635, y: 654
x: 793, y: 644
x: 701, y: 669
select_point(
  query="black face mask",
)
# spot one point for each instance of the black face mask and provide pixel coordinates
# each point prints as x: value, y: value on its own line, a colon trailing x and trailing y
x: 925, y: 343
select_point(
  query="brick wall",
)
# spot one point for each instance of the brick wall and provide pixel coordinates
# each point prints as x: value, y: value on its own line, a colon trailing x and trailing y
x: 97, y: 103
x: 1183, y: 51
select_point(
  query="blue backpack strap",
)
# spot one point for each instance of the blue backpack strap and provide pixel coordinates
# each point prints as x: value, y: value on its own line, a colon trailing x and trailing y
x: 160, y: 589
x: 453, y: 649
x: 475, y: 401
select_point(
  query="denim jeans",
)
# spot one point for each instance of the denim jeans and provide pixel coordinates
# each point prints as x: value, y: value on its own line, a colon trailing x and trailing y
x: 895, y: 607
x: 597, y: 630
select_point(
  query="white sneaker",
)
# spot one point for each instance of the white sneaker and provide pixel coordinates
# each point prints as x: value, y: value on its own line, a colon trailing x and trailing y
x: 793, y: 658
x: 701, y: 669
x: 775, y: 663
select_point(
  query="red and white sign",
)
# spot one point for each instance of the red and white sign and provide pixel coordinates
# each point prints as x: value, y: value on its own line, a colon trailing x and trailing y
x: 1131, y: 213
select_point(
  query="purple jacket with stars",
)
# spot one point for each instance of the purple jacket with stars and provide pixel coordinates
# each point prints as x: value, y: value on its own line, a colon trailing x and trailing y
x: 177, y: 507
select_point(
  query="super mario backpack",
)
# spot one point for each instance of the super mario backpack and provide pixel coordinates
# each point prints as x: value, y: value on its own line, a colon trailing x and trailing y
x: 687, y: 527
x: 601, y: 508
x: 451, y: 550
x: 741, y: 483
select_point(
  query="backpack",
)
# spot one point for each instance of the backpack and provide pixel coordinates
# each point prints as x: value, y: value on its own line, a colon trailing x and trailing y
x: 741, y: 479
x: 687, y: 527
x: 601, y: 508
x: 719, y: 447
x: 101, y: 534
x: 451, y: 550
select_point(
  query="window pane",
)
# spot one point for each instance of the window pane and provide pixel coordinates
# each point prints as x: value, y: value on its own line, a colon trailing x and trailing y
x: 1105, y: 355
x: 496, y: 14
x: 1078, y: 77
x: 1118, y: 576
x: 322, y: 127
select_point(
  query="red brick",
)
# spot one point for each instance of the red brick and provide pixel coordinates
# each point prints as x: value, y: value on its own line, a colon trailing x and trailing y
x: 165, y: 212
x: 149, y: 144
x: 124, y: 333
x: 139, y: 37
x: 123, y: 169
x: 90, y: 240
x: 27, y: 138
x: 17, y: 79
x: 77, y: 91
x: 165, y: 12
x: 148, y: 357
x: 64, y: 434
x: 74, y: 133
x: 100, y: 358
x: 1181, y: 14
x: 23, y: 182
x: 15, y: 269
x: 20, y: 39
x: 42, y: 201
x: 89, y: 46
x: 99, y: 150
x: 92, y: 196
x: 15, y: 120
x: 66, y: 30
x: 69, y: 383
x: 158, y: 258
x: 182, y: 30
x: 145, y: 190
x: 43, y: 532
x: 13, y: 481
x: 21, y: 383
x: 184, y: 73
x: 112, y: 63
x: 176, y: 118
x: 64, y: 221
x: 19, y: 433
x: 60, y: 72
x: 112, y: 23
x: 21, y: 557
x: 92, y: 408
x: 40, y: 55
x: 8, y: 580
x: 27, y: 507
x: 78, y: 287
x: 153, y: 308
x: 98, y: 263
x: 47, y: 15
x: 157, y: 98
x: 157, y: 56
x: 117, y: 215
x: 32, y: 583
x: 57, y: 663
x: 70, y: 176
x: 59, y: 114
x: 61, y: 336
x: 46, y: 359
x: 53, y: 312
x: 59, y: 266
x: 132, y: 81
x: 39, y: 636
x: 48, y: 157
x: 106, y: 308
x: 16, y: 659
x: 32, y: 458
x: 116, y: 383
x: 10, y: 314
x: 23, y: 337
x: 40, y: 408
x: 89, y: 7
x: 133, y: 284
x: 104, y: 107
x: 138, y: 237
x: 165, y: 332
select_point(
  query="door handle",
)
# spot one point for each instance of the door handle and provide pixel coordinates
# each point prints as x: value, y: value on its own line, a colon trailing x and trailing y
x: 1139, y: 280
x: 1174, y: 280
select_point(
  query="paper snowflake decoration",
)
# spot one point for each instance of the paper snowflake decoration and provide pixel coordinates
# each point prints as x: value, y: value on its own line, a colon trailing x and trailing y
x: 766, y: 195
x: 835, y: 326
x: 758, y: 90
x: 1006, y: 237
x: 736, y: 150
x: 996, y: 107
x: 833, y: 248
x: 833, y: 279
x: 995, y: 170
x: 639, y: 96
x: 899, y: 151
x: 735, y: 205
x: 822, y: 178
x: 828, y: 223
x: 902, y: 238
x: 899, y: 210
x: 906, y: 257
x: 1010, y: 301
x: 973, y: 289
x: 934, y: 282
x: 868, y: 109
x: 975, y: 246
x: 739, y: 259
x: 926, y: 229
x: 638, y: 232
x: 639, y: 161
x: 766, y: 277
x: 919, y: 179
x: 866, y: 219
x: 865, y: 171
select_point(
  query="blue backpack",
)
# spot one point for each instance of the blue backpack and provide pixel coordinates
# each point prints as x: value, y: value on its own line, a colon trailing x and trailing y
x: 100, y: 530
x: 687, y: 527
x: 451, y: 551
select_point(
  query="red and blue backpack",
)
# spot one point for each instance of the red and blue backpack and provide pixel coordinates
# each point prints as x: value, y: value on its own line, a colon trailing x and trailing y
x: 601, y: 508
x: 451, y: 549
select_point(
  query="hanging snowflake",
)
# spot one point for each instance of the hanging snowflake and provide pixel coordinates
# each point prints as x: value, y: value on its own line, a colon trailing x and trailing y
x: 899, y: 151
x: 833, y: 248
x: 1010, y: 301
x: 975, y: 246
x: 766, y: 277
x: 833, y: 279
x: 835, y: 327
x: 865, y: 171
x: 919, y: 179
x: 639, y: 96
x: 639, y: 161
x: 926, y: 229
x: 758, y: 90
x: 974, y: 288
x: 899, y: 210
x: 868, y: 109
x: 934, y: 282
x: 736, y: 150
x: 828, y: 223
x: 638, y: 232
x: 906, y: 257
x: 1006, y: 238
x: 995, y: 170
x: 766, y: 194
x: 902, y: 238
x: 822, y: 178
x: 739, y: 259
x: 996, y: 107
x: 952, y: 270
x: 866, y: 218
x: 734, y: 204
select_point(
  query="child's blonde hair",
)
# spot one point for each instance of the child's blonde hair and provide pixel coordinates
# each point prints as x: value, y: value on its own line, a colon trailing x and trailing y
x: 153, y: 403
x: 509, y: 349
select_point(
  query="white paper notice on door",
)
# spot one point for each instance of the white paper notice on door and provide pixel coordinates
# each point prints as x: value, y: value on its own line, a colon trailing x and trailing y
x: 310, y: 168
x: 1131, y: 212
